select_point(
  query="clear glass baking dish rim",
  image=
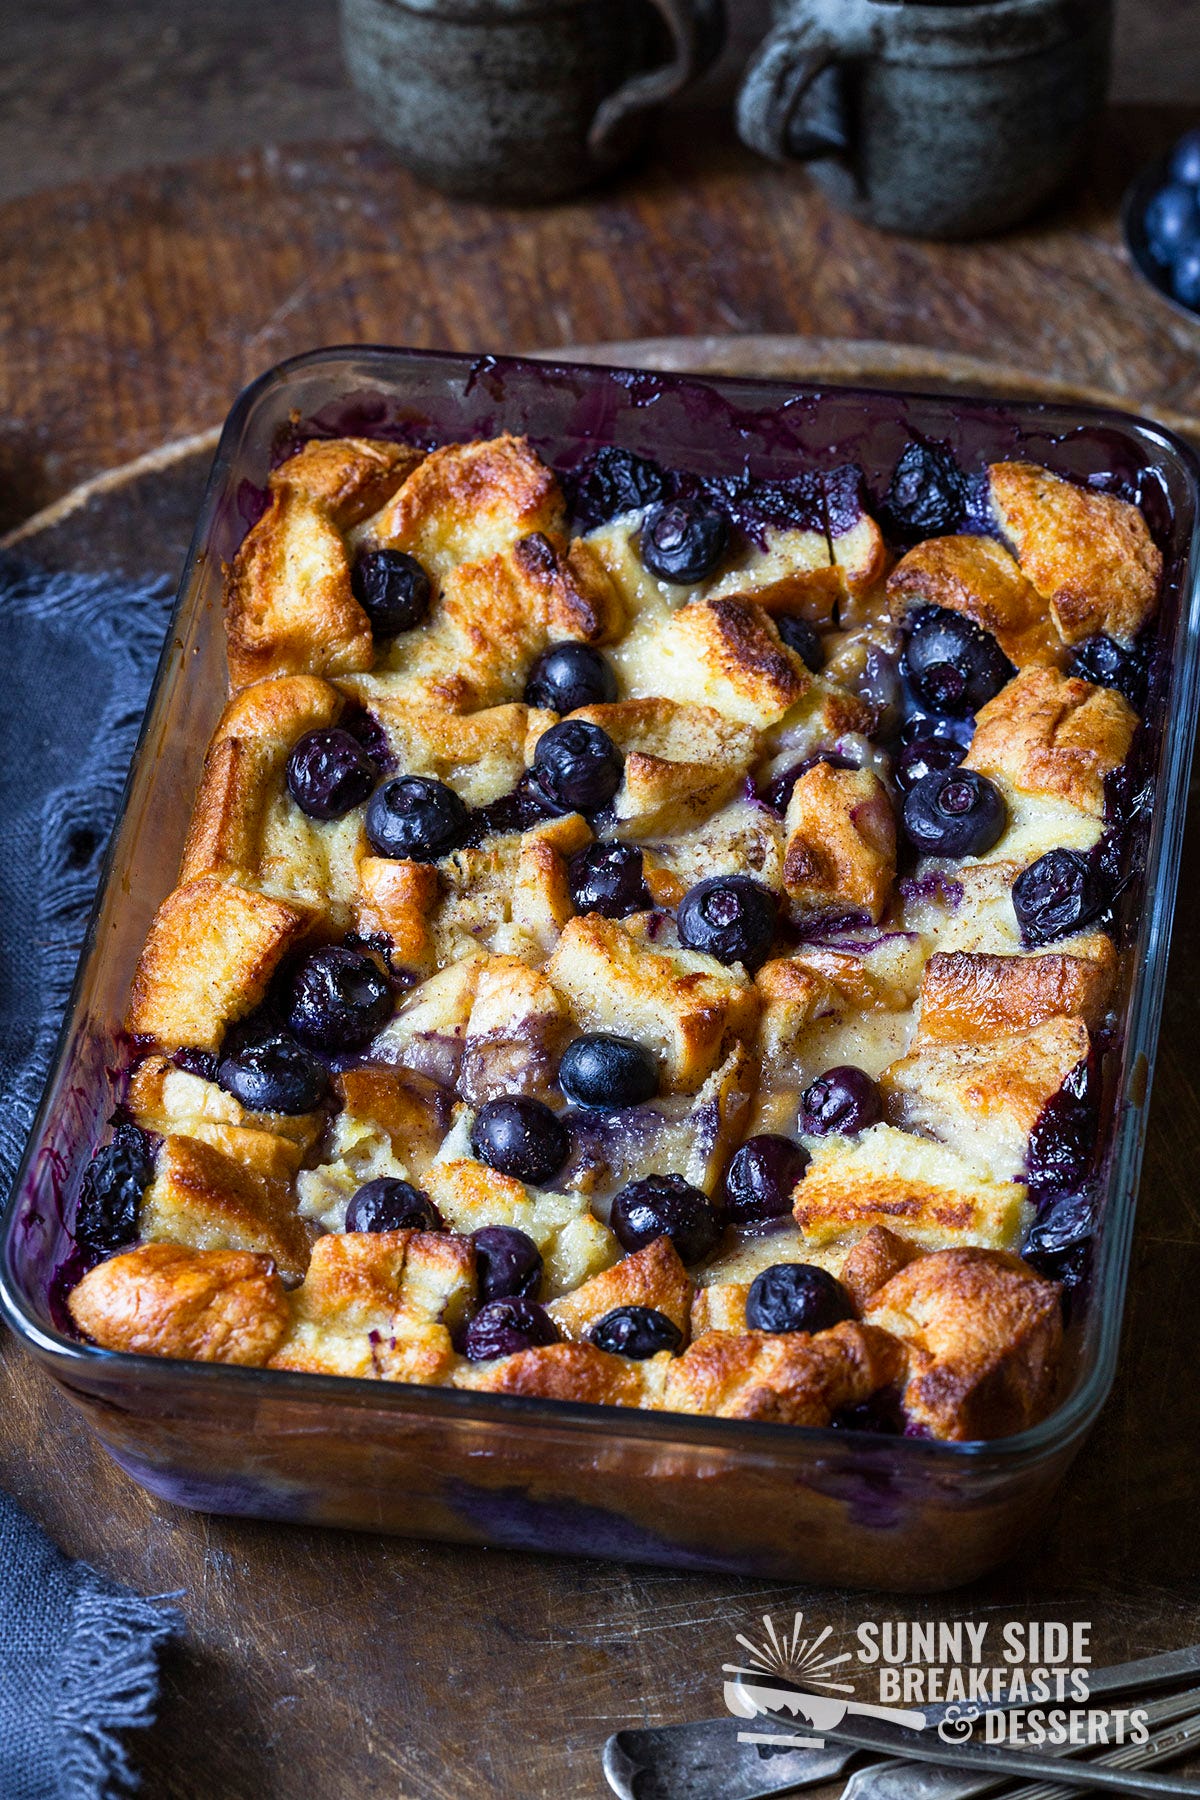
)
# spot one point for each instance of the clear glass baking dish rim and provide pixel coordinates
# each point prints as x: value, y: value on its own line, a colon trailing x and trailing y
x: 1054, y: 1435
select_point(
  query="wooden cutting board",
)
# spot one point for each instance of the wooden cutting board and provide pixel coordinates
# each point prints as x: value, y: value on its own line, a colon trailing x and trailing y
x: 325, y: 1666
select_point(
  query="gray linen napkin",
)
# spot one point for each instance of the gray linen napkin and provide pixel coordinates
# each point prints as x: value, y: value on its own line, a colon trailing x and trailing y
x: 78, y: 1654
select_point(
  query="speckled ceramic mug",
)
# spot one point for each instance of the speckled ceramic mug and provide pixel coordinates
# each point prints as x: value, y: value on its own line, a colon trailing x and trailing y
x: 937, y: 120
x: 522, y: 100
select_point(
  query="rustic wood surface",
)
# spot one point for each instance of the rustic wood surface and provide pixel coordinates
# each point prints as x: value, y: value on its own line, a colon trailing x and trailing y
x: 323, y: 1666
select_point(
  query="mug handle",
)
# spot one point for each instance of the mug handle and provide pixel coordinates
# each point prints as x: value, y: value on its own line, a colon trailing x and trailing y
x: 697, y: 30
x: 777, y: 82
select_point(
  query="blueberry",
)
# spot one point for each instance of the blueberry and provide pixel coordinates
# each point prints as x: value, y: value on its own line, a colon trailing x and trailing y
x: 954, y: 812
x: 1059, y: 1244
x: 761, y: 1178
x: 1185, y: 159
x: 803, y: 638
x: 274, y: 1075
x: 683, y: 540
x: 796, y: 1297
x: 388, y: 1205
x: 570, y: 675
x: 666, y: 1206
x: 504, y: 1327
x: 508, y: 1264
x: 1172, y: 221
x: 731, y: 917
x: 604, y: 1070
x: 329, y: 773
x: 416, y: 818
x: 612, y: 482
x: 520, y: 1137
x: 523, y: 806
x: 844, y: 1099
x: 927, y: 494
x: 110, y: 1198
x: 1185, y: 278
x: 1057, y: 895
x: 1105, y: 663
x: 925, y: 756
x: 393, y: 590
x: 339, y: 1000
x: 577, y: 766
x: 951, y: 665
x: 1063, y: 1138
x: 608, y: 879
x: 635, y: 1331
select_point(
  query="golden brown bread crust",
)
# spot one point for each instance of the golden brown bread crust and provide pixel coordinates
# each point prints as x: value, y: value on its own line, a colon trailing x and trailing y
x: 564, y: 1372
x: 982, y: 1335
x: 682, y: 762
x: 785, y: 1379
x: 209, y: 955
x: 652, y: 1276
x: 232, y: 1194
x: 199, y: 1305
x: 878, y: 1255
x: 468, y: 501
x: 966, y: 994
x: 1089, y: 554
x: 348, y: 478
x: 1055, y: 736
x: 841, y: 843
x: 977, y: 577
x: 727, y: 654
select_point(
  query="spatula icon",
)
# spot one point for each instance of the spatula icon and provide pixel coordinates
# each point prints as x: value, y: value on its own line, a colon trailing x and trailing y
x: 755, y: 1692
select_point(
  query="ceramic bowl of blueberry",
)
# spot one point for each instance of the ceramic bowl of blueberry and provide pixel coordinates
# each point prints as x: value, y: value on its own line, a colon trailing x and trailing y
x: 1162, y: 224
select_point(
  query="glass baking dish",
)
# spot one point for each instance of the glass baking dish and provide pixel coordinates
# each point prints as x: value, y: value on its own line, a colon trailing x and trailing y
x: 852, y: 1508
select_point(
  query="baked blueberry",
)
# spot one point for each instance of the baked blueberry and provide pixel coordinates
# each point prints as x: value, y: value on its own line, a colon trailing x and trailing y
x: 796, y: 1297
x: 276, y: 1074
x: 843, y: 1099
x: 329, y: 774
x: 925, y: 756
x: 761, y: 1179
x: 508, y: 1264
x: 415, y: 818
x: 389, y: 1205
x: 1185, y: 276
x: 1059, y: 1244
x: 951, y: 665
x: 570, y: 675
x: 666, y: 1206
x: 1185, y: 159
x: 927, y: 494
x: 612, y: 482
x: 504, y: 1327
x: 601, y: 1069
x: 393, y: 590
x: 520, y: 1137
x: 682, y: 540
x: 1058, y: 894
x: 731, y: 917
x: 110, y: 1198
x: 1172, y: 221
x: 1105, y: 663
x: 954, y: 812
x: 339, y: 1000
x: 577, y: 766
x: 803, y: 638
x: 608, y: 879
x: 635, y: 1331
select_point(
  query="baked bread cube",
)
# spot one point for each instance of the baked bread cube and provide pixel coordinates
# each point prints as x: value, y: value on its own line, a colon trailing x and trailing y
x: 468, y: 502
x: 787, y: 1378
x: 982, y: 1336
x: 516, y: 1027
x: 1054, y: 737
x: 395, y: 901
x: 878, y: 1255
x: 725, y: 654
x: 791, y: 570
x: 685, y: 1007
x: 209, y: 957
x: 985, y: 1098
x: 976, y: 576
x: 719, y: 1306
x: 652, y: 1276
x: 412, y: 1111
x: 682, y: 762
x: 232, y: 1195
x: 169, y: 1100
x: 577, y: 1372
x: 574, y: 1244
x: 1089, y: 554
x: 967, y: 995
x: 224, y: 1306
x: 841, y: 843
x: 923, y: 1190
x: 347, y: 478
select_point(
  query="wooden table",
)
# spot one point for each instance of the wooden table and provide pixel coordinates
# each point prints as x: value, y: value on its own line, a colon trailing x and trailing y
x: 327, y: 1667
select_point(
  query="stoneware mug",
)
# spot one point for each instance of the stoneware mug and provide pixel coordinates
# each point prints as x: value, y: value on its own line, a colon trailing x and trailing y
x: 936, y: 120
x: 522, y: 100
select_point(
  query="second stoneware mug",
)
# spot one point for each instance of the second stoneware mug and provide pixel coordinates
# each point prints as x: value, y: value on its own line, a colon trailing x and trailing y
x: 522, y: 100
x: 936, y: 120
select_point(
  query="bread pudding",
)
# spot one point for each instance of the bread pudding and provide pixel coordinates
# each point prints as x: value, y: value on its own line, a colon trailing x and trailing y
x: 642, y: 939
